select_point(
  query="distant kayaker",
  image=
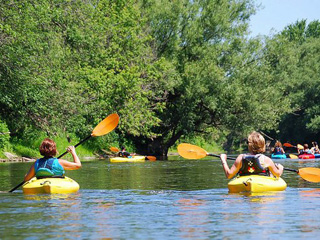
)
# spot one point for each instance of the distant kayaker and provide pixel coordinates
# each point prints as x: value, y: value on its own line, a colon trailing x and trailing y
x: 254, y: 163
x: 305, y: 150
x: 315, y: 148
x: 124, y: 153
x: 49, y: 166
x: 278, y: 149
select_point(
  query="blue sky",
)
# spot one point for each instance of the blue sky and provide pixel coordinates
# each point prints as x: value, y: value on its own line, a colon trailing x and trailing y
x: 276, y: 14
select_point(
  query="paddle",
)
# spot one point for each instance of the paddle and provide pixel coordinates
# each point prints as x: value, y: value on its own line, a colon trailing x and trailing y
x: 293, y: 156
x: 190, y: 151
x: 299, y: 146
x: 150, y: 158
x: 104, y: 127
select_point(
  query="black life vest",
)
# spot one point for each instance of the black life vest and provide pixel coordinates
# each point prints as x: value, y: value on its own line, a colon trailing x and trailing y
x: 251, y: 166
x: 124, y: 154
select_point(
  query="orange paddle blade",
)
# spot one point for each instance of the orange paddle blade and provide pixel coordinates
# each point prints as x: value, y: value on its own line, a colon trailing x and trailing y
x: 288, y: 145
x: 106, y: 126
x: 151, y: 158
x: 190, y: 151
x: 292, y: 156
x: 114, y: 149
x: 310, y: 174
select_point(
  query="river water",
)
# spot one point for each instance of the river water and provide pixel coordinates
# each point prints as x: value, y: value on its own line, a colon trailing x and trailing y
x: 174, y: 199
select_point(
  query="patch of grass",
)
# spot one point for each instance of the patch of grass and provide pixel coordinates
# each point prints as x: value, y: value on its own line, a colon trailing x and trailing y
x: 25, y: 151
x: 30, y: 148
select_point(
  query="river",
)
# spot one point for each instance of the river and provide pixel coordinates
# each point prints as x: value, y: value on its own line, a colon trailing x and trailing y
x: 174, y: 199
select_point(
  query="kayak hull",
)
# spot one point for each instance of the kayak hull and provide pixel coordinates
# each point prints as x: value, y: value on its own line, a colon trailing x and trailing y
x: 306, y: 156
x: 50, y: 185
x: 278, y: 156
x: 131, y: 159
x: 256, y: 184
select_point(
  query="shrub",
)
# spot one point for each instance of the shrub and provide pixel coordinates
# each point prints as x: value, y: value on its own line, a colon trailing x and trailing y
x: 4, y: 136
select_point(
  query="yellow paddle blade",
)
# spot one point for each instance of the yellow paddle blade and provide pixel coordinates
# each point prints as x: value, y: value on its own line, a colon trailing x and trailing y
x: 292, y: 156
x: 114, y: 149
x: 106, y: 126
x: 190, y: 151
x: 151, y: 158
x: 299, y: 146
x: 310, y: 174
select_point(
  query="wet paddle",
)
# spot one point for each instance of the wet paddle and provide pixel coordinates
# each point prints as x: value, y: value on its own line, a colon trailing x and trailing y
x: 190, y: 151
x: 104, y: 127
x: 150, y: 158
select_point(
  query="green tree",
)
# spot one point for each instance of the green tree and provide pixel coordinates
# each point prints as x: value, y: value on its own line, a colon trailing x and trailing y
x: 302, y: 125
x: 65, y: 65
x: 222, y: 86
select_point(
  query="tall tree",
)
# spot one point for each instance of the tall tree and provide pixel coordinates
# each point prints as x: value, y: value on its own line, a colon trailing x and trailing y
x: 222, y: 81
x: 303, y: 90
x: 64, y: 65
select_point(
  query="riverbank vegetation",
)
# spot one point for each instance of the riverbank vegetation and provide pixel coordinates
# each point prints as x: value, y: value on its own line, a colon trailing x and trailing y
x: 173, y: 70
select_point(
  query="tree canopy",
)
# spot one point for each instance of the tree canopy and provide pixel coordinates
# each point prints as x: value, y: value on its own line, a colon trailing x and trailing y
x: 171, y: 69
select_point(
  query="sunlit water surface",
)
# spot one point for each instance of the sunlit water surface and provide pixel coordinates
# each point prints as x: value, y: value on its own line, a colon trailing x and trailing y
x: 175, y: 199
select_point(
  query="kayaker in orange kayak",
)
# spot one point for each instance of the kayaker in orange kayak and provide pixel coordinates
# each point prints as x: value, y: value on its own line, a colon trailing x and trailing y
x: 253, y: 163
x: 49, y: 166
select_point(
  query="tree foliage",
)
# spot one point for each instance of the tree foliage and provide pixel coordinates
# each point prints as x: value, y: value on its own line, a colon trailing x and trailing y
x: 171, y: 69
x: 224, y: 81
x: 65, y: 65
x: 303, y: 89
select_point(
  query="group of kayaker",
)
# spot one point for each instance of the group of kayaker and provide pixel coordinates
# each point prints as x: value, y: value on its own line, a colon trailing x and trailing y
x: 314, y: 149
x: 255, y: 162
x: 278, y: 149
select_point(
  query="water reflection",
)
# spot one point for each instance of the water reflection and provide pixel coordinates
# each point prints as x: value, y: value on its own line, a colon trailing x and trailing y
x: 159, y: 200
x: 194, y: 219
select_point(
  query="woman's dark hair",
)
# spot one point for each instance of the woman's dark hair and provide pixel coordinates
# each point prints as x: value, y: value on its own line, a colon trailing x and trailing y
x: 48, y: 148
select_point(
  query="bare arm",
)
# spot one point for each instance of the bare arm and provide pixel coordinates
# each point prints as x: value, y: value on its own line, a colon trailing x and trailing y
x: 231, y: 172
x: 31, y: 173
x: 275, y: 169
x: 76, y: 164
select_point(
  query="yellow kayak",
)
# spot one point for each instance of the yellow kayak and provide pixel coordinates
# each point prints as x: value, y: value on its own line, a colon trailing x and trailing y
x: 50, y: 185
x: 129, y: 159
x: 256, y: 184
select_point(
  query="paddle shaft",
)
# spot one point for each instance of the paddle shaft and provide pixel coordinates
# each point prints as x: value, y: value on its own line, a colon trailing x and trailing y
x: 216, y: 155
x: 291, y: 170
x: 231, y: 158
x: 82, y: 141
x: 20, y: 184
